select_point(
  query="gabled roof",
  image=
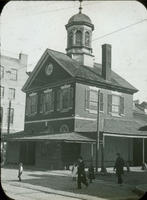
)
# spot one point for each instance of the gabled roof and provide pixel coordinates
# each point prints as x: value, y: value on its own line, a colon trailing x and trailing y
x: 80, y: 72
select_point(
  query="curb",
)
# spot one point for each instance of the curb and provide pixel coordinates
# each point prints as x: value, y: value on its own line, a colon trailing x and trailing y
x: 139, y: 190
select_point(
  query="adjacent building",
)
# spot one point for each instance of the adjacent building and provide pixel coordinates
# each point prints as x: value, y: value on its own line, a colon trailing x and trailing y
x: 72, y: 102
x: 12, y: 109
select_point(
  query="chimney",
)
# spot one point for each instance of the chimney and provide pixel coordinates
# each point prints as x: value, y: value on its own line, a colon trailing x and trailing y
x: 106, y: 61
x: 23, y: 58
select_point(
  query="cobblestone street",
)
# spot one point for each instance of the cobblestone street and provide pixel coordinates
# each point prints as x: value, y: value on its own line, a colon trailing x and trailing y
x: 40, y: 184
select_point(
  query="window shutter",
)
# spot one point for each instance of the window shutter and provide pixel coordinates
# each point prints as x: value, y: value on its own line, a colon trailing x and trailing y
x: 87, y: 98
x: 109, y: 105
x: 121, y: 107
x: 28, y: 105
x: 53, y: 97
x: 58, y: 100
x: 36, y: 103
x: 101, y: 101
x: 41, y: 103
x: 71, y: 96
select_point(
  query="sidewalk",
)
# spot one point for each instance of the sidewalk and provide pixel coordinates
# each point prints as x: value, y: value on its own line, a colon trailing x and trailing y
x: 60, y: 183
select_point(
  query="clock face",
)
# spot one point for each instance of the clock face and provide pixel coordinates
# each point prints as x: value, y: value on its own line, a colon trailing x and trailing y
x: 49, y: 69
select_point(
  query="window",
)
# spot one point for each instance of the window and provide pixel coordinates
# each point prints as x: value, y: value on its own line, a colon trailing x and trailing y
x: 78, y: 38
x: 2, y: 91
x: 70, y: 39
x: 91, y: 100
x: 87, y: 38
x: 13, y: 74
x: 65, y: 98
x: 31, y: 104
x: 47, y: 101
x: 11, y: 93
x: 2, y: 71
x: 64, y: 128
x: 115, y: 104
x: 11, y: 115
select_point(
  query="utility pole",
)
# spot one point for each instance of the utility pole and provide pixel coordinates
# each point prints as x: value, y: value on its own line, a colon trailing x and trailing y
x: 97, y: 135
x: 9, y: 113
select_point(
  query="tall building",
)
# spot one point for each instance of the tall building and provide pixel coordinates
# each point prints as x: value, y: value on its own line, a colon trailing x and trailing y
x: 12, y: 108
x: 75, y: 106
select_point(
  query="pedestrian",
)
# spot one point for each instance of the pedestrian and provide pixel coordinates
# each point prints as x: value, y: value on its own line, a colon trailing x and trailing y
x: 20, y: 170
x: 81, y: 173
x: 119, y: 164
x: 91, y: 174
x: 74, y: 171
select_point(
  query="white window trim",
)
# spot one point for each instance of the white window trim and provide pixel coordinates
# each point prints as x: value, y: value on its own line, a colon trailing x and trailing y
x: 65, y: 86
x: 32, y: 94
x: 48, y: 90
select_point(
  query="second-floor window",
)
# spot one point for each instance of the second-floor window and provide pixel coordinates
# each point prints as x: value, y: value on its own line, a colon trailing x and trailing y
x: 2, y: 72
x: 31, y: 104
x: 65, y: 98
x: 11, y: 93
x: 47, y: 101
x: 2, y: 91
x: 115, y: 104
x: 91, y: 100
x: 11, y: 115
x: 13, y: 74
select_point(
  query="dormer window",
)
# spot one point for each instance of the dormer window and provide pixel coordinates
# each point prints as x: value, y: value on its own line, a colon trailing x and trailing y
x: 87, y: 38
x: 70, y: 39
x: 78, y: 38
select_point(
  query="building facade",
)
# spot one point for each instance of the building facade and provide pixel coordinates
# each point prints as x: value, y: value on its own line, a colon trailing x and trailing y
x: 72, y: 102
x: 13, y: 76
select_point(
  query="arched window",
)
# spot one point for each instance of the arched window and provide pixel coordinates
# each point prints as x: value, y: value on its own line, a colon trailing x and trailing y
x: 70, y: 39
x: 87, y: 38
x: 64, y: 128
x: 78, y: 38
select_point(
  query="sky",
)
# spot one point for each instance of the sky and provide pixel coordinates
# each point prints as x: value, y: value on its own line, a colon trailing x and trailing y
x: 31, y: 27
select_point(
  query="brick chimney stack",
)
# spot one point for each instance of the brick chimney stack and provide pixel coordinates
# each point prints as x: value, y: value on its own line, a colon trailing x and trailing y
x: 23, y: 58
x: 106, y: 61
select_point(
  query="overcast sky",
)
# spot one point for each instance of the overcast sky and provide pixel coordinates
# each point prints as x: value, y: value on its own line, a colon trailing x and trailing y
x: 31, y: 27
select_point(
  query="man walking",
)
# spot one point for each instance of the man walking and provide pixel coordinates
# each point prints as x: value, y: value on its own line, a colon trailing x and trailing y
x: 81, y: 173
x: 119, y: 164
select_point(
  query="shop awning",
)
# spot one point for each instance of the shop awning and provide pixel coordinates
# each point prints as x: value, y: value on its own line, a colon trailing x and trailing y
x: 62, y: 137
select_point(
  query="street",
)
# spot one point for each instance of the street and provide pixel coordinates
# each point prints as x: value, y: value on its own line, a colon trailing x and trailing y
x: 45, y: 184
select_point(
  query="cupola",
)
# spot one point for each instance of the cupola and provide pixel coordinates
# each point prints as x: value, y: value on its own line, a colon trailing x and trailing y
x: 79, y: 38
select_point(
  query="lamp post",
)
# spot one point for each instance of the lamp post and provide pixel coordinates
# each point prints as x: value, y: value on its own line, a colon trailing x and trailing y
x: 97, y: 135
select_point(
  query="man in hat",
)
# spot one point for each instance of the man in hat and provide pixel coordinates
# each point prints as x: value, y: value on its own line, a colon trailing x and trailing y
x: 119, y: 164
x: 81, y: 173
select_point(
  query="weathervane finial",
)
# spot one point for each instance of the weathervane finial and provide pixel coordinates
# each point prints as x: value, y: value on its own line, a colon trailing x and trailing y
x: 80, y: 8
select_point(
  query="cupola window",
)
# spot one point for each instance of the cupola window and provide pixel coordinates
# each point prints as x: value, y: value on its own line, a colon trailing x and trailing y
x: 87, y: 38
x: 78, y: 38
x: 70, y: 39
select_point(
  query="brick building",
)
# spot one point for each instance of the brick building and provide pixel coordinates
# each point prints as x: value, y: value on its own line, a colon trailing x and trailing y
x: 13, y: 76
x: 61, y: 119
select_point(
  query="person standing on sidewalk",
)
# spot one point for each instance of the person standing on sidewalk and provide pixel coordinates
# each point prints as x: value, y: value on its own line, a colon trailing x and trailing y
x: 81, y: 173
x: 20, y: 170
x: 119, y: 165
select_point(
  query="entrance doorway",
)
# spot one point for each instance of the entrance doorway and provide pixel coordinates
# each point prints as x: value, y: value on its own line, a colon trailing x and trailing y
x: 70, y: 153
x: 27, y: 153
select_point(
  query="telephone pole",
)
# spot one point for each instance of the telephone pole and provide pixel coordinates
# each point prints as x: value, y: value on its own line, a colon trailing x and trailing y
x: 9, y: 113
x: 97, y: 135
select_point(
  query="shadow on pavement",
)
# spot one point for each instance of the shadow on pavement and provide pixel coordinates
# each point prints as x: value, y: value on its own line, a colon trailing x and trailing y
x: 58, y: 183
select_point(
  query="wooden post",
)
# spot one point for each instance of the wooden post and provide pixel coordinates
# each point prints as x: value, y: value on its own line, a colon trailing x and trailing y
x: 143, y: 156
x: 97, y: 135
x: 9, y: 112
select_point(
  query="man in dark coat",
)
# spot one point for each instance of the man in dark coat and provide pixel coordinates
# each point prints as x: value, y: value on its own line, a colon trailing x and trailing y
x: 119, y: 164
x: 81, y: 173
